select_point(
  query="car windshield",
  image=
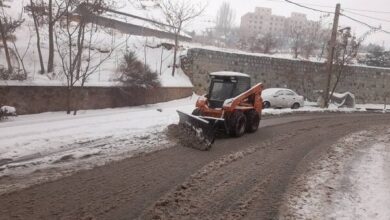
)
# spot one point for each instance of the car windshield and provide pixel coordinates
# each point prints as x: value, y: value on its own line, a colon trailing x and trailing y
x: 221, y: 90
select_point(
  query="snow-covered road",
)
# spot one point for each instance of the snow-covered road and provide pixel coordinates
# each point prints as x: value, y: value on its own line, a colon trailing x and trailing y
x: 350, y: 181
x: 62, y: 144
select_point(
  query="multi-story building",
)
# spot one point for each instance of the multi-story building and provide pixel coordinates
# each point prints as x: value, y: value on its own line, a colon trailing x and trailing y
x: 262, y: 22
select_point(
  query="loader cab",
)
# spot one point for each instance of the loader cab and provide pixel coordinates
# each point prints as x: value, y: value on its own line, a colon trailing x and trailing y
x: 226, y: 85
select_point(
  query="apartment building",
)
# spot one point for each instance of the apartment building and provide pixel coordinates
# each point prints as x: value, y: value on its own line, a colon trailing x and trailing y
x: 262, y: 21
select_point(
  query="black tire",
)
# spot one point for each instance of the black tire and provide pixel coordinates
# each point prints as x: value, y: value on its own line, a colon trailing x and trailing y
x: 266, y: 104
x: 237, y: 124
x: 197, y: 112
x: 295, y: 106
x: 252, y: 121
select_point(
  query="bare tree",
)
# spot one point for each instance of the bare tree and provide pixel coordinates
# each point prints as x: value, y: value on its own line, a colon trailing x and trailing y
x: 314, y: 36
x: 264, y: 44
x: 37, y: 22
x: 22, y: 55
x: 224, y: 21
x: 177, y: 14
x: 296, y: 38
x: 8, y: 26
x: 347, y: 48
x: 55, y: 13
x: 75, y: 45
x: 49, y: 13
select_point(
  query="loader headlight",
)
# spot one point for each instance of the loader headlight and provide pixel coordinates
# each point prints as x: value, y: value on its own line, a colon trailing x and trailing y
x: 228, y: 102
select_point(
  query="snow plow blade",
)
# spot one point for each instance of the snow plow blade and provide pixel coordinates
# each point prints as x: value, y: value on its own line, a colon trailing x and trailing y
x: 198, y: 133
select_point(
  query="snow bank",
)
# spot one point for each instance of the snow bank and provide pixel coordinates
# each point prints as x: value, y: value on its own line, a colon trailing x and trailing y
x: 309, y: 108
x: 350, y: 181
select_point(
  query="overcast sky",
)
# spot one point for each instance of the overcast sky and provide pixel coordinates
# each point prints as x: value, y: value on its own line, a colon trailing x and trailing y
x: 279, y: 7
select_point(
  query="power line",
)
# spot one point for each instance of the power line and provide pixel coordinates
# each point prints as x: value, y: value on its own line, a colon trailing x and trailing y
x: 370, y: 11
x: 347, y: 16
x: 375, y: 18
x: 329, y: 6
x: 366, y: 24
x: 303, y: 6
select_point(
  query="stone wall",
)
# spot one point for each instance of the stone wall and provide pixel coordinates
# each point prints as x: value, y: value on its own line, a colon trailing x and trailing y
x: 367, y: 83
x: 37, y: 99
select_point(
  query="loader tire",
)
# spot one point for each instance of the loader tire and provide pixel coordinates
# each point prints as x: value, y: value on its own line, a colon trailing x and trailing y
x: 252, y: 121
x: 237, y: 124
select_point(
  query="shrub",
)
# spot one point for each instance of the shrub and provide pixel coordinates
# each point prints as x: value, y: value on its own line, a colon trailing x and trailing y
x: 15, y: 75
x: 134, y: 73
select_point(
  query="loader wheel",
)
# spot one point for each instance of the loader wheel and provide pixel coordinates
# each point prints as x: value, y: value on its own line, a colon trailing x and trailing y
x: 197, y: 112
x: 253, y: 121
x: 237, y: 124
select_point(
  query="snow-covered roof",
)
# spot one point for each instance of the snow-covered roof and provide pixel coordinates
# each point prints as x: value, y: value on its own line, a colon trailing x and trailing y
x: 228, y: 73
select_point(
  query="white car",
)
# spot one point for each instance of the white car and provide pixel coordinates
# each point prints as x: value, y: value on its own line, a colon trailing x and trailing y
x: 281, y: 98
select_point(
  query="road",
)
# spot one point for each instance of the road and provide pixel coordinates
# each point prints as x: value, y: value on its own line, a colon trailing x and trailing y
x: 241, y: 178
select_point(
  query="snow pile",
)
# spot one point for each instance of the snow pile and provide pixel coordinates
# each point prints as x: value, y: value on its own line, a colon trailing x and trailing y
x: 351, y: 181
x: 7, y: 110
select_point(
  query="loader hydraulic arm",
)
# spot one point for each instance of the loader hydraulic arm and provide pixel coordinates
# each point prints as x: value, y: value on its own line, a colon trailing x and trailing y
x: 250, y: 99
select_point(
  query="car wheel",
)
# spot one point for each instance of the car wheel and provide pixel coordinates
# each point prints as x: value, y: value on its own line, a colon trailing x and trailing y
x: 266, y: 104
x: 295, y: 106
x: 252, y: 121
x: 237, y: 124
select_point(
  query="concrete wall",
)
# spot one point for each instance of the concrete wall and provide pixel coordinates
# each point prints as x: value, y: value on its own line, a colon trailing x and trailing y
x: 37, y: 99
x: 368, y: 84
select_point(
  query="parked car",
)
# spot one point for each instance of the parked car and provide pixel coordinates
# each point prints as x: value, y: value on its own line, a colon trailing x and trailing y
x: 281, y: 98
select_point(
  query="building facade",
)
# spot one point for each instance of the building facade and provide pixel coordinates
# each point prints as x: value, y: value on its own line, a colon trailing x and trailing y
x: 262, y: 21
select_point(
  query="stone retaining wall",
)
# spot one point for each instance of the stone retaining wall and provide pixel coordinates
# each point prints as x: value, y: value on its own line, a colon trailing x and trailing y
x: 369, y: 84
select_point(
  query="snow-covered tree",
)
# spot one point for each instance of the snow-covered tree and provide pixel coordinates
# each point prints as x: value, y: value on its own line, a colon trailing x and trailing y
x: 134, y: 73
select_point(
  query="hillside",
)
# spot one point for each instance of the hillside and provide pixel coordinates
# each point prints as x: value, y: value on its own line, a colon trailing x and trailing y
x: 146, y: 48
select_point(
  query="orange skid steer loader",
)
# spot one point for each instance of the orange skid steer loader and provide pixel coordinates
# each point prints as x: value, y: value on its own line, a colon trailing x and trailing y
x: 231, y: 106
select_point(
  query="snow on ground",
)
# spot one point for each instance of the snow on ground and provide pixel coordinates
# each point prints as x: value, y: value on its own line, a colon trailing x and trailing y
x: 350, y: 181
x: 313, y: 108
x: 30, y: 143
x: 373, y: 106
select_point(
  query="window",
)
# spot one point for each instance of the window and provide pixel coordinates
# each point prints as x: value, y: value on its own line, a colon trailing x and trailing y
x: 221, y: 90
x: 288, y: 92
x: 279, y: 93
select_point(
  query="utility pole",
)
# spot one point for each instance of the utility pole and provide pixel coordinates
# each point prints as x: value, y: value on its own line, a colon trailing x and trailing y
x: 332, y: 47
